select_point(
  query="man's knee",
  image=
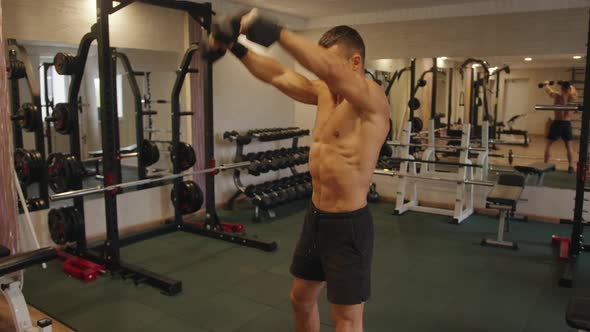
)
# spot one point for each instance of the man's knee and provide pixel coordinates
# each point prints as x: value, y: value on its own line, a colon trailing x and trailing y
x: 302, y: 302
x: 347, y: 318
x: 344, y: 325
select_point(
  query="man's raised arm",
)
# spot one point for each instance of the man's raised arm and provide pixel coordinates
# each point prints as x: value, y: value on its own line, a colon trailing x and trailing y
x: 334, y: 70
x: 272, y: 72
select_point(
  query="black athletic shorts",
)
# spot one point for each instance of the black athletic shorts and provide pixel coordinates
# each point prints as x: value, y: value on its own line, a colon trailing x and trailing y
x: 560, y: 129
x: 337, y: 248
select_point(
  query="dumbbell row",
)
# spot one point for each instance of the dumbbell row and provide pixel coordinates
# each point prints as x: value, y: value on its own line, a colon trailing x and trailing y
x: 284, y: 134
x: 272, y: 193
x: 264, y: 135
x: 272, y: 160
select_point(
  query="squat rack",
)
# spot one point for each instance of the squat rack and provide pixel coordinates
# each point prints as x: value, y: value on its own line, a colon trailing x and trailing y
x: 108, y: 253
x: 577, y: 239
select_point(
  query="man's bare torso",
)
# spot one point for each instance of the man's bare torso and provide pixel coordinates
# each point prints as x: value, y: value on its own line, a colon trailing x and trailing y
x: 344, y: 151
x: 563, y: 99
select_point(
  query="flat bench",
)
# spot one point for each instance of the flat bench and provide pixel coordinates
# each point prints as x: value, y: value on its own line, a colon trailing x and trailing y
x: 125, y: 149
x: 578, y: 313
x: 13, y: 263
x: 536, y: 169
x: 10, y: 288
x: 504, y: 197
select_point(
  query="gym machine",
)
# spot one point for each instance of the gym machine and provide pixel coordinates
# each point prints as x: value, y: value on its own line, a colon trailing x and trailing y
x: 182, y: 154
x: 478, y: 82
x: 28, y: 163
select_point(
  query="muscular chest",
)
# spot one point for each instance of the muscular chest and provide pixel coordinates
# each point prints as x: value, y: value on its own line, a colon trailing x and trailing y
x: 335, y: 119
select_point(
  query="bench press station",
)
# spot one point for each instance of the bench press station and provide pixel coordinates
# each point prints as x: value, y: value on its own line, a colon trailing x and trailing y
x: 536, y: 169
x: 504, y: 197
x: 11, y: 289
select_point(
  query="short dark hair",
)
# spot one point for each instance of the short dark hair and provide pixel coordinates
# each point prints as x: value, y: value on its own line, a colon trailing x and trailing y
x: 565, y: 85
x: 343, y: 35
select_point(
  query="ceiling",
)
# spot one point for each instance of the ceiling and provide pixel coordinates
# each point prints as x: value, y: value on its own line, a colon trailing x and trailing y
x: 322, y: 8
x: 539, y: 61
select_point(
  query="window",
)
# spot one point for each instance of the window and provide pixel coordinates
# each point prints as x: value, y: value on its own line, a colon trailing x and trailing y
x: 119, y: 94
x: 57, y: 85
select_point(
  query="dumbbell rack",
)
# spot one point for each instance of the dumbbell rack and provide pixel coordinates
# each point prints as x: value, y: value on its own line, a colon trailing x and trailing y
x: 20, y: 67
x: 260, y: 210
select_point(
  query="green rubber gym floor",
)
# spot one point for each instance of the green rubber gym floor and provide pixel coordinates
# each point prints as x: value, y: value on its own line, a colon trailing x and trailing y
x: 428, y: 275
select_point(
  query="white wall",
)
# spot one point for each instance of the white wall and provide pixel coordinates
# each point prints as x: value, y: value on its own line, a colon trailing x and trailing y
x: 565, y: 31
x: 242, y: 102
x: 65, y: 22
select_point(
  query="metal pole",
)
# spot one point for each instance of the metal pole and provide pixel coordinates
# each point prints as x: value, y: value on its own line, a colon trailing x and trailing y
x: 412, y: 83
x: 211, y: 218
x: 578, y: 227
x: 450, y: 101
x: 176, y: 117
x: 110, y: 131
x: 141, y: 168
x: 48, y: 106
x: 433, y: 91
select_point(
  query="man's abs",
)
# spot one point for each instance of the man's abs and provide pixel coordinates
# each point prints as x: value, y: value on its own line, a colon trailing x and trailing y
x: 340, y: 180
x: 345, y: 148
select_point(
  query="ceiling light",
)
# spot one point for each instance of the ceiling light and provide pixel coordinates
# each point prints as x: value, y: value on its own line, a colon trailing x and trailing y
x: 528, y: 59
x: 577, y: 57
x: 443, y: 58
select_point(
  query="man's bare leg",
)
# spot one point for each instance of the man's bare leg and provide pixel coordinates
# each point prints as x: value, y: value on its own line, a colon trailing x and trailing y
x: 548, y: 150
x: 304, y: 298
x: 570, y: 153
x: 348, y: 318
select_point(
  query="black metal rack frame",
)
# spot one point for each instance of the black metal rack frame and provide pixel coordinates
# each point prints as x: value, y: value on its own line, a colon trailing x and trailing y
x: 108, y: 253
x: 48, y: 105
x: 577, y: 238
x: 18, y: 52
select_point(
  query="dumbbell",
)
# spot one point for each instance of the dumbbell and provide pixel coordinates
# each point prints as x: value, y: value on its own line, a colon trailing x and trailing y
x: 542, y: 84
x: 230, y: 135
x: 257, y: 167
x: 270, y: 197
x: 286, y: 190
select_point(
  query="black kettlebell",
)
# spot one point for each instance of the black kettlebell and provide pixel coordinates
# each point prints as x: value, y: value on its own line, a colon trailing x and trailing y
x: 373, y: 195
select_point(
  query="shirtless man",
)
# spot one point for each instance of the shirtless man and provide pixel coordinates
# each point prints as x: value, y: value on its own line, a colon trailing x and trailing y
x: 561, y: 127
x: 352, y: 120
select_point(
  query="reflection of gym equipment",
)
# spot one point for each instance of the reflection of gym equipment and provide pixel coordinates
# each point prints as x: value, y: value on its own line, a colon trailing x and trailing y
x: 504, y: 197
x: 536, y: 169
x: 109, y: 253
x: 511, y: 131
x: 26, y: 117
x: 464, y: 177
x: 12, y: 289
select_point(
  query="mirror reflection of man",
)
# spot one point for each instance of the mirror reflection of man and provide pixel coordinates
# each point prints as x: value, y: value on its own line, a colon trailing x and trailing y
x: 561, y: 126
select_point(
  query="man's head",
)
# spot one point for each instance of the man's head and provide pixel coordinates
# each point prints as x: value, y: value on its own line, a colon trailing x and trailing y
x: 347, y: 43
x: 565, y: 86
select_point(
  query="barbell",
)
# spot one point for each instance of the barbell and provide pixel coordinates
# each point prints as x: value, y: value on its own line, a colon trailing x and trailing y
x: 573, y: 108
x: 434, y: 178
x: 438, y: 147
x: 116, y: 187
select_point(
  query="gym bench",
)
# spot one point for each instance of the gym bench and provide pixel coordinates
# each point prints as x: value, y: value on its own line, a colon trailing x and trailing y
x: 11, y: 289
x: 538, y: 169
x: 504, y: 197
x: 577, y: 315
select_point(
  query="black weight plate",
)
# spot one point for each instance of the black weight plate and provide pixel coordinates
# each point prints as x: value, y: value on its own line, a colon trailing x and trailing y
x: 61, y: 118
